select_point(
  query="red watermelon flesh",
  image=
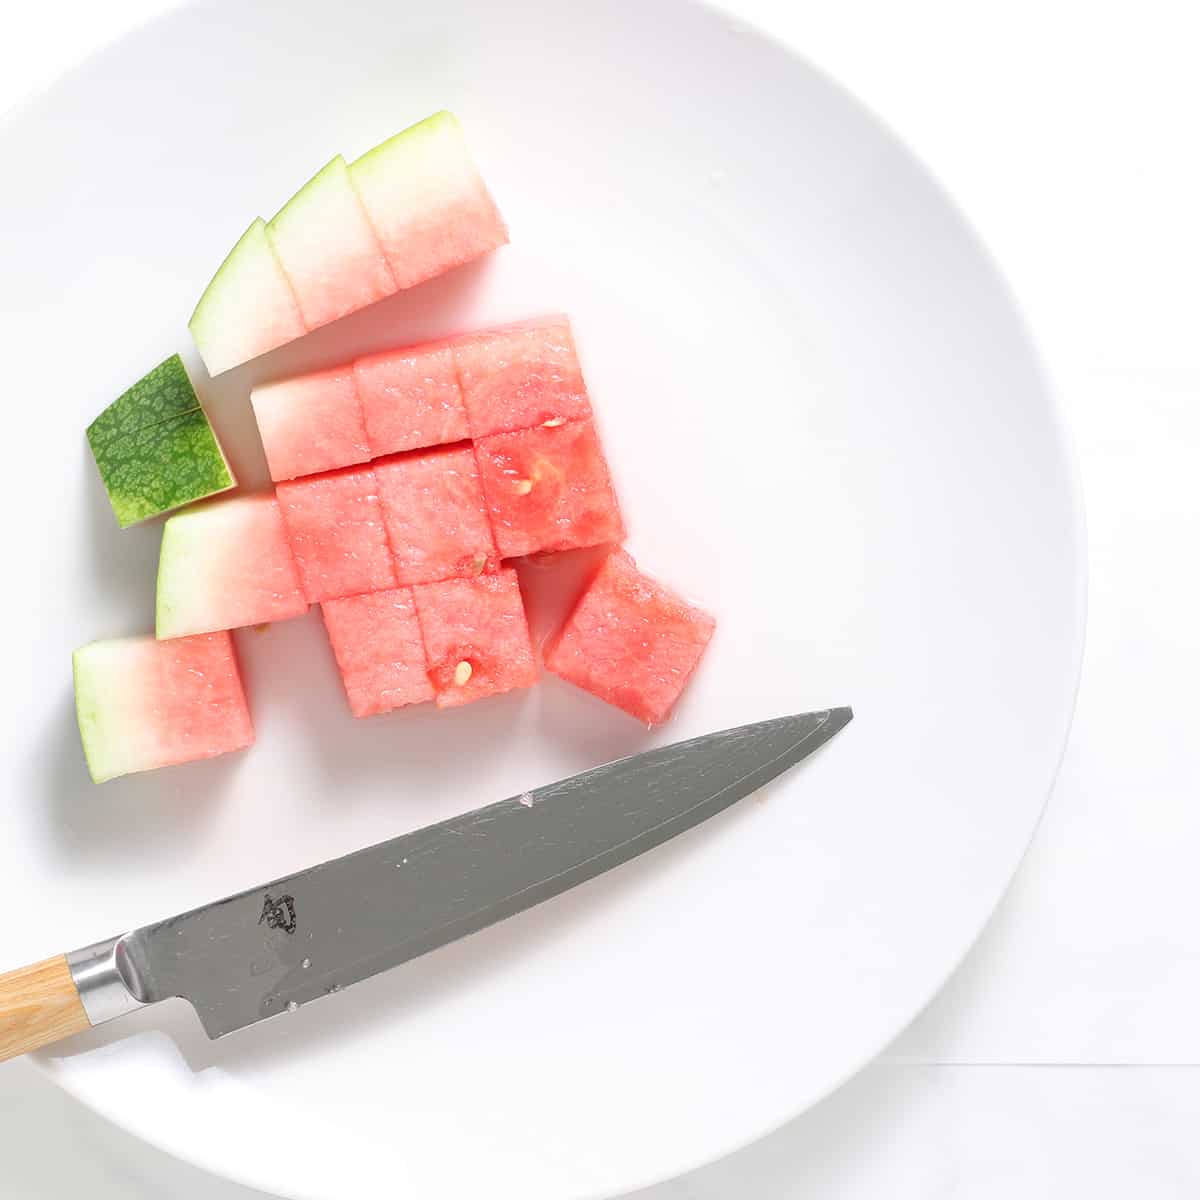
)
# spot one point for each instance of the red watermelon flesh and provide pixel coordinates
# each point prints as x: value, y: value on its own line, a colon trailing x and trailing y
x: 377, y: 642
x: 435, y: 516
x: 631, y: 641
x: 548, y: 489
x: 521, y: 376
x: 142, y: 703
x: 336, y: 531
x: 476, y: 637
x: 411, y: 399
x: 311, y: 423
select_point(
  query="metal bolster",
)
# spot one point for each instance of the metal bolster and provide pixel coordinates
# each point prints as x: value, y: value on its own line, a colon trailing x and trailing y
x: 105, y: 980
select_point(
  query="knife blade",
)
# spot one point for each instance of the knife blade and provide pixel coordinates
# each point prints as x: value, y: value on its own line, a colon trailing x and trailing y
x: 270, y: 949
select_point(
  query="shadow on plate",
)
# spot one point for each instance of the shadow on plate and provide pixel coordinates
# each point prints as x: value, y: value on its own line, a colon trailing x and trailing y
x: 293, y: 680
x: 122, y: 564
x: 138, y: 814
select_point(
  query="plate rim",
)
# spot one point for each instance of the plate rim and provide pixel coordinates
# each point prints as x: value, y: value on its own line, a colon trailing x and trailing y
x: 49, y: 1068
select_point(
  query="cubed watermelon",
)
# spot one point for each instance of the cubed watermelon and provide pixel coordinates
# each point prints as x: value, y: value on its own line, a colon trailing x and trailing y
x: 142, y: 703
x: 435, y: 516
x: 328, y: 249
x: 548, y: 488
x: 631, y: 641
x: 377, y: 643
x: 411, y: 399
x: 476, y: 637
x: 426, y: 200
x: 311, y: 423
x: 521, y: 376
x: 248, y: 308
x: 224, y: 565
x: 335, y: 528
x: 155, y: 448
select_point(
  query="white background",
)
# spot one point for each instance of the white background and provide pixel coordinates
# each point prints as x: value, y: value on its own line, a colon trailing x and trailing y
x: 1061, y: 1059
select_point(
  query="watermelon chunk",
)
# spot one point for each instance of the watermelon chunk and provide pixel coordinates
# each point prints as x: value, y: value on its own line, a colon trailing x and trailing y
x: 411, y: 399
x: 335, y: 528
x: 142, y: 703
x: 248, y: 308
x: 631, y: 641
x: 377, y: 643
x: 311, y: 423
x: 520, y: 376
x: 548, y: 488
x: 224, y: 565
x: 426, y: 200
x: 155, y: 449
x: 435, y: 516
x: 327, y: 248
x: 476, y: 637
x: 406, y: 211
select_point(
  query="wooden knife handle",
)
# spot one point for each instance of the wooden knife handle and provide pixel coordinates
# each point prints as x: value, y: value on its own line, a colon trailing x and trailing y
x: 38, y: 1005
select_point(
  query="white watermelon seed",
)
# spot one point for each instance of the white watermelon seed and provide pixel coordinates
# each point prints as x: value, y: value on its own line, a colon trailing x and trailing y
x: 462, y: 673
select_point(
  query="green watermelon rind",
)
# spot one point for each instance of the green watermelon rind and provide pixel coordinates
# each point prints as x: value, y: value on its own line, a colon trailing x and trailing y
x: 228, y: 290
x: 382, y: 159
x: 295, y: 210
x: 163, y: 467
x: 174, y: 584
x: 160, y: 394
x: 92, y: 687
x: 155, y: 449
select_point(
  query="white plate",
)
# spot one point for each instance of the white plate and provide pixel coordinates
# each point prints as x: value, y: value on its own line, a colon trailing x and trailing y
x: 826, y: 422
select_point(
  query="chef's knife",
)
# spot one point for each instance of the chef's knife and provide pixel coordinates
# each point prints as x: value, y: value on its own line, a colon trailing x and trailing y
x: 273, y: 948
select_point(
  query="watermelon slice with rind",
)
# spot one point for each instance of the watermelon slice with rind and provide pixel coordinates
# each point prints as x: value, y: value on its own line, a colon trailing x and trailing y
x: 248, y: 308
x: 631, y: 641
x: 376, y: 640
x: 426, y: 200
x: 224, y: 565
x: 143, y: 703
x: 404, y: 212
x: 311, y: 423
x: 328, y: 249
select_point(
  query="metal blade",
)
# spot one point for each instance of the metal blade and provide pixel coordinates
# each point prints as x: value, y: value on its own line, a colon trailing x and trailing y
x: 271, y: 948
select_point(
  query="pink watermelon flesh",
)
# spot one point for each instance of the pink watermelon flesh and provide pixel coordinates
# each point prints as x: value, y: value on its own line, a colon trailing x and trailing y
x: 548, y: 489
x: 224, y: 565
x: 411, y: 399
x: 335, y: 528
x: 144, y: 704
x: 480, y: 623
x: 631, y: 641
x: 311, y: 423
x: 377, y: 643
x: 435, y: 516
x: 521, y: 376
x: 426, y: 201
x: 328, y: 249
